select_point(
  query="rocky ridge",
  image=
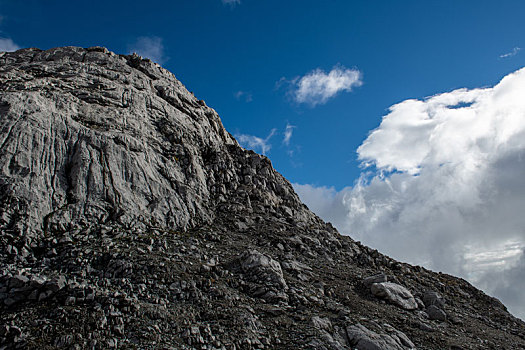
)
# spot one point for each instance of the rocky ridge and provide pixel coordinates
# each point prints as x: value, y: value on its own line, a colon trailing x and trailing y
x: 130, y: 218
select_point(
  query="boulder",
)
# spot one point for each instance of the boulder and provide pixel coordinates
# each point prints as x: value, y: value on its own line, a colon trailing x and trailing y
x: 264, y: 271
x: 433, y: 298
x: 435, y: 313
x: 395, y: 294
x: 361, y: 338
x: 379, y: 278
x: 321, y: 323
x: 18, y: 281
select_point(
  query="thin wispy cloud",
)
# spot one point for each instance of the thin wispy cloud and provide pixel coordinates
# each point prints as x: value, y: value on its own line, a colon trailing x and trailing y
x: 514, y: 52
x: 243, y: 96
x: 318, y: 86
x: 288, y: 134
x: 256, y: 143
x: 151, y: 47
x: 8, y: 45
x: 231, y: 2
x: 446, y: 189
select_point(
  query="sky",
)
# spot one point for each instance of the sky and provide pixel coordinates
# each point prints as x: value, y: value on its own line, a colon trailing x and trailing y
x: 401, y: 122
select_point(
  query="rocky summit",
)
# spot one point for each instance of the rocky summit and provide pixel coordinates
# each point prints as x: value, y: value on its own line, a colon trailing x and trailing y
x: 131, y: 219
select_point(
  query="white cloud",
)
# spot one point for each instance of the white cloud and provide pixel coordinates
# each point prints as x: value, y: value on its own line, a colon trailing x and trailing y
x: 317, y: 87
x: 288, y: 134
x: 243, y: 95
x: 8, y: 45
x: 256, y: 143
x: 150, y: 47
x: 514, y: 52
x: 446, y: 188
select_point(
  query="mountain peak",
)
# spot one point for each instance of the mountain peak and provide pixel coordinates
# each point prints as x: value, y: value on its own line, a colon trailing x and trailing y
x: 117, y: 138
x: 130, y: 218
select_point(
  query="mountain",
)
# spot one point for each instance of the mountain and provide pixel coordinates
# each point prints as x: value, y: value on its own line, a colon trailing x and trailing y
x: 130, y: 218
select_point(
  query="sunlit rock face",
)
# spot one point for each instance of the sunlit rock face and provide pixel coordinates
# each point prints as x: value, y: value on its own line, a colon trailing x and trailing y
x: 90, y: 137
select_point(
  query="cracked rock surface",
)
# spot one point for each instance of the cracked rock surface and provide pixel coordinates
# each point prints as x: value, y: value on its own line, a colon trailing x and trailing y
x: 131, y: 219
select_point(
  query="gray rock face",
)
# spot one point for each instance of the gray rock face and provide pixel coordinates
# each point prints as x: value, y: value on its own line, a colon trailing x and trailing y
x: 394, y: 293
x: 92, y: 137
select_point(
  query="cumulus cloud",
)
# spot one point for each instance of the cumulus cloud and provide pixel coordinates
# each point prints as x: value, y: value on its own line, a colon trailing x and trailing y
x: 256, y: 143
x: 8, y: 45
x: 509, y: 285
x: 150, y: 47
x: 443, y: 187
x: 317, y: 87
x: 514, y: 52
x: 288, y: 134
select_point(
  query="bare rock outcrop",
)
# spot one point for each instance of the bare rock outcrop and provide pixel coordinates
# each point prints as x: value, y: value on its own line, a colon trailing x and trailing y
x: 92, y: 137
x: 131, y: 219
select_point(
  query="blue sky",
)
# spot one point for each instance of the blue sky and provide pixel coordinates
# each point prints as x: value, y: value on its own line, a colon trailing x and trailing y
x: 317, y: 84
x: 404, y: 49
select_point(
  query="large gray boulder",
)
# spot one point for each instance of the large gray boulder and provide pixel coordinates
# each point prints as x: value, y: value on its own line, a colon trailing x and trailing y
x: 266, y: 273
x: 362, y: 338
x: 394, y: 293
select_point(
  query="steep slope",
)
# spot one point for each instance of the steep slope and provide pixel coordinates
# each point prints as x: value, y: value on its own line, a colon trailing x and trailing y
x: 130, y: 218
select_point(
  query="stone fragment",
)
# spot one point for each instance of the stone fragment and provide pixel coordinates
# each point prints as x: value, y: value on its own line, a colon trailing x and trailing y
x: 56, y: 284
x: 379, y: 278
x: 433, y: 298
x: 420, y: 303
x: 321, y: 323
x: 45, y: 294
x: 4, y: 330
x: 12, y: 250
x: 435, y: 313
x: 10, y: 301
x: 33, y: 295
x: 361, y: 338
x: 18, y: 281
x: 262, y: 269
x: 265, y: 273
x: 37, y: 281
x: 327, y: 342
x: 394, y: 293
x: 64, y: 340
